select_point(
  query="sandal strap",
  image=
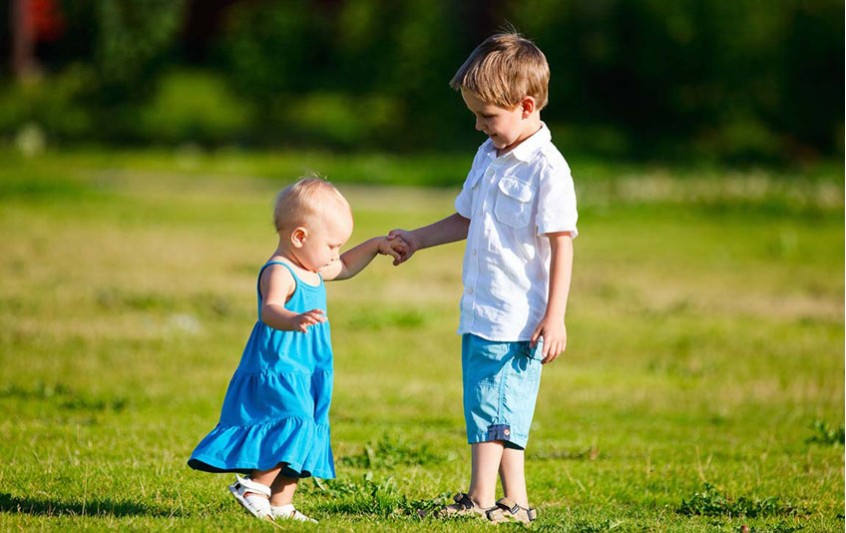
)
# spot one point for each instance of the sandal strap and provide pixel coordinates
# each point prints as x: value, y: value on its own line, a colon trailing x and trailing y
x: 464, y: 500
x: 494, y: 514
x: 507, y: 504
x: 253, y: 486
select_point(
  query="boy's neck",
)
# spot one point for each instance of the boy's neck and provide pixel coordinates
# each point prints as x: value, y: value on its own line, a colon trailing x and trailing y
x: 533, y: 125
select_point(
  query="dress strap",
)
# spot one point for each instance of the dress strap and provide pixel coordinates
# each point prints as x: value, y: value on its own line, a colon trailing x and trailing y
x: 258, y: 281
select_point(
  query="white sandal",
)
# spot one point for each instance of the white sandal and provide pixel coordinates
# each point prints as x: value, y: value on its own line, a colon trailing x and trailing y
x: 245, y: 490
x: 287, y: 512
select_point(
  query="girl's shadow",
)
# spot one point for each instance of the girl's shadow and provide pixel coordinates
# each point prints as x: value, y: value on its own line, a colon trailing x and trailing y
x: 104, y: 507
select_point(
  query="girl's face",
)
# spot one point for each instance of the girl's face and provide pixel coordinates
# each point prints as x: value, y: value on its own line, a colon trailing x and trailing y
x: 319, y: 244
x: 506, y: 128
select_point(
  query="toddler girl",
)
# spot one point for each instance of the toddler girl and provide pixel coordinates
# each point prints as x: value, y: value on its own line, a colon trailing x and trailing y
x: 274, y: 423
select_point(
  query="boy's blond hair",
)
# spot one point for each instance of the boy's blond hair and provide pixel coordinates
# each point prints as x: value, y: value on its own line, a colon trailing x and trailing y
x: 503, y: 69
x: 308, y: 197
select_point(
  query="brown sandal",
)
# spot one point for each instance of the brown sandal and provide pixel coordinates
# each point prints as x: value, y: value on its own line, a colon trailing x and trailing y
x: 511, y: 511
x: 464, y: 506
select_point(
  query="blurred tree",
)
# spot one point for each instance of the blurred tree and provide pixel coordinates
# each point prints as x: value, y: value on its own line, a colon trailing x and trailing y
x: 133, y: 36
x: 130, y: 50
x: 31, y: 22
x: 202, y: 24
x: 734, y: 80
x: 23, y: 40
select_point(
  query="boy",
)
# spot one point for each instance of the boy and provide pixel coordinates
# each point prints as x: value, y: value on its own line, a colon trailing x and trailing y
x: 517, y: 210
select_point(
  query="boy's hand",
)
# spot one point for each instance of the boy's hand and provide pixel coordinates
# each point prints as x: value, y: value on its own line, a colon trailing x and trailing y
x: 409, y: 244
x: 395, y: 247
x: 554, y: 335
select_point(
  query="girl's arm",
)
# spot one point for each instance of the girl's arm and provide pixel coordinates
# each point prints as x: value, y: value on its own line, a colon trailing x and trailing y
x: 450, y: 229
x: 276, y: 287
x: 551, y: 326
x: 355, y: 259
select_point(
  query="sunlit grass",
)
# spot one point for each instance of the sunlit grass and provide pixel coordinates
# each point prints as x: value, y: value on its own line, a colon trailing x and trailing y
x: 704, y: 364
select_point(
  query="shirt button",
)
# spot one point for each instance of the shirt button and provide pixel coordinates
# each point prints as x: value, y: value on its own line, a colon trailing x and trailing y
x: 470, y: 290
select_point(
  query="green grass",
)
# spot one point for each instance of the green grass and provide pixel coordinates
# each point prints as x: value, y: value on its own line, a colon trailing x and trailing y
x: 702, y: 387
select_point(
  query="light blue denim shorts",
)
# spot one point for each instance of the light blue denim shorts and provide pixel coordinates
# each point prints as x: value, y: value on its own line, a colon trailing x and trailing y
x: 501, y: 382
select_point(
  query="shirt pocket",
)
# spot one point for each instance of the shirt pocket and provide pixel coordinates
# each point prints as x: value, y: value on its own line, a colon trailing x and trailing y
x: 513, y: 205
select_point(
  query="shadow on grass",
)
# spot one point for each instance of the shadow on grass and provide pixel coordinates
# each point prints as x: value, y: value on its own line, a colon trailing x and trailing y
x: 42, y: 507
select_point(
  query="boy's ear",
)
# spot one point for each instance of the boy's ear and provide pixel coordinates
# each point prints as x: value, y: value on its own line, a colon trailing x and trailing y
x: 528, y: 106
x: 299, y: 236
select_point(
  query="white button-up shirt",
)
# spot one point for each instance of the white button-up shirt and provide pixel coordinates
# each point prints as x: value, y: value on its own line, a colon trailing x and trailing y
x: 512, y: 201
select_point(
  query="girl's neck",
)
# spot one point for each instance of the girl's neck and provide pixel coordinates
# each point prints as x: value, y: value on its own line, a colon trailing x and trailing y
x: 284, y: 254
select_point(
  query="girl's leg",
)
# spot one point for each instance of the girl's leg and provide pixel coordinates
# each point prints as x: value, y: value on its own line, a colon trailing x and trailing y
x: 486, y: 457
x: 513, y: 476
x: 282, y: 490
x: 265, y: 477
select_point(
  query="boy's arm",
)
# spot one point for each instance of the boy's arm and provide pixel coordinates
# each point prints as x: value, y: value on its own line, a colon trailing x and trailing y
x: 355, y: 259
x: 552, y: 327
x: 450, y: 229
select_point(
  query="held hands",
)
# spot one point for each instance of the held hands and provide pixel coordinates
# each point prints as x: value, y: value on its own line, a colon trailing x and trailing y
x: 404, y: 243
x: 554, y: 335
x: 396, y: 247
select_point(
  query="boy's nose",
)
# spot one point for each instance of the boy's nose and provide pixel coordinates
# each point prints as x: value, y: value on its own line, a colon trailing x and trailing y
x: 478, y: 125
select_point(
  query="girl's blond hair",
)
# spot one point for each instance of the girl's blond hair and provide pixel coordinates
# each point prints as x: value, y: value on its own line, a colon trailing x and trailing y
x: 308, y: 197
x: 504, y: 69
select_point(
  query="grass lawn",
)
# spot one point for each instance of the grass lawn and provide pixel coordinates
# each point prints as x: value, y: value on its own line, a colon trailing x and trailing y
x: 702, y: 388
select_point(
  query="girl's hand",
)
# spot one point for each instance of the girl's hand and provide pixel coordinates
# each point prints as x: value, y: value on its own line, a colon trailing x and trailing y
x: 407, y: 248
x: 395, y: 247
x: 305, y: 320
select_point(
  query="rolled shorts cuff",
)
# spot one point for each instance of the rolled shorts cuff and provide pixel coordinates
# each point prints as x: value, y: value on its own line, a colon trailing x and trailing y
x: 501, y: 433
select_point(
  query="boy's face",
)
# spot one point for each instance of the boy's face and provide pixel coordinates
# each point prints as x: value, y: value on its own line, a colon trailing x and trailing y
x: 505, y: 127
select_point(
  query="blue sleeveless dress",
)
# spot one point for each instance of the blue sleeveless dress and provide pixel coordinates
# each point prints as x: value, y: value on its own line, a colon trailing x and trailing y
x: 276, y: 409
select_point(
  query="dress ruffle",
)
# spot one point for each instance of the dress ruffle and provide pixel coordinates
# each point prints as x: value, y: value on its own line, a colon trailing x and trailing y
x: 301, y: 445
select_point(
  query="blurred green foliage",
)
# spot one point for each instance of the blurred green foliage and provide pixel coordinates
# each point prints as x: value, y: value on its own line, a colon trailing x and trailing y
x: 725, y: 80
x: 194, y: 106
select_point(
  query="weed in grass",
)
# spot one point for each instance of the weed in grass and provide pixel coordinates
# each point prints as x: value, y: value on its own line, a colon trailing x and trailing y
x: 367, y: 497
x: 390, y: 452
x: 827, y: 435
x: 779, y: 527
x: 710, y: 502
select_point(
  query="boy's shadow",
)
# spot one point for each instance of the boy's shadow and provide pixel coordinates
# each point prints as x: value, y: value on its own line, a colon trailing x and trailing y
x: 105, y: 507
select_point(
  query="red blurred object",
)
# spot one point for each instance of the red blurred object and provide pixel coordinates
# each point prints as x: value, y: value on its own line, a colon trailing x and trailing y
x: 45, y: 19
x: 33, y: 21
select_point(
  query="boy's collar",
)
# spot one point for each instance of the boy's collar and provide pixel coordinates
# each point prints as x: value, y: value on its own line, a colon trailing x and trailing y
x: 525, y: 149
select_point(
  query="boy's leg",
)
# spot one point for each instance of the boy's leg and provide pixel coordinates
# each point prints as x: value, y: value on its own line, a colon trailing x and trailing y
x: 486, y: 458
x: 513, y: 475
